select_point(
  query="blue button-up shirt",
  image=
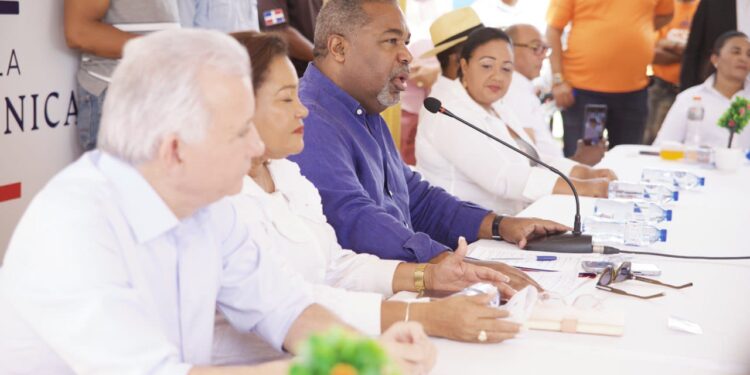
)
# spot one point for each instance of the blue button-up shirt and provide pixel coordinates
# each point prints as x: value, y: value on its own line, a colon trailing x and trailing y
x: 375, y: 202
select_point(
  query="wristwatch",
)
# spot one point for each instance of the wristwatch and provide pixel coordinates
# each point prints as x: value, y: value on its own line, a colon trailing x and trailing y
x: 557, y: 79
x: 496, y: 227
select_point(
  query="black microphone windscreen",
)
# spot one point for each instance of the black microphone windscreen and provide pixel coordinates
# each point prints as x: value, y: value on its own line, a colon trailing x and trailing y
x: 433, y: 105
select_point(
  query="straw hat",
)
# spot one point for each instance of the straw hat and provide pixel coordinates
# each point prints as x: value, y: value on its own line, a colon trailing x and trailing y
x: 452, y: 28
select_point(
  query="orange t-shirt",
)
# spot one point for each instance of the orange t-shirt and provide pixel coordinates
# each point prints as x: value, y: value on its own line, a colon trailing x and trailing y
x: 611, y: 42
x: 676, y: 30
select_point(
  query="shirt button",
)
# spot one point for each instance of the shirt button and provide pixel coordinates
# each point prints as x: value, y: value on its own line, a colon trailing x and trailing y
x: 359, y: 111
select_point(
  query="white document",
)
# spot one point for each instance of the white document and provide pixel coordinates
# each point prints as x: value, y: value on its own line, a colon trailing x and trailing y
x: 558, y: 276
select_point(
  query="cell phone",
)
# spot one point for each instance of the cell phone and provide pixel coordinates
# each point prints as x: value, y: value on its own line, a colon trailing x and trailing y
x: 595, y: 265
x: 645, y: 269
x: 594, y: 122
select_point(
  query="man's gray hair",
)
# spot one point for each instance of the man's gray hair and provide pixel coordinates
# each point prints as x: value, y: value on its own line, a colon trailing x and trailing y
x: 340, y: 17
x: 156, y: 90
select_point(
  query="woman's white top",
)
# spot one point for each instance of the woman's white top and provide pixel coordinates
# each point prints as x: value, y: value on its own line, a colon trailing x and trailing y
x: 472, y: 166
x: 291, y: 222
x: 675, y: 125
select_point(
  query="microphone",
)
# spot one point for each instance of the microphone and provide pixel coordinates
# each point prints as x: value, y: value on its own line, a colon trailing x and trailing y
x: 575, y: 242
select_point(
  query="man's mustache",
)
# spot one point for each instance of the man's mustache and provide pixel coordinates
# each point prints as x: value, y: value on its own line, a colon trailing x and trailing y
x: 402, y: 69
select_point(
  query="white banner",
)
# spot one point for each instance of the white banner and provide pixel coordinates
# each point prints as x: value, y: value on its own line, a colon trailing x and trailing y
x: 37, y: 104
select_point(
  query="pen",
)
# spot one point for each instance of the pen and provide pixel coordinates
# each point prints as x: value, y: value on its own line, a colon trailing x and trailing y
x: 539, y: 258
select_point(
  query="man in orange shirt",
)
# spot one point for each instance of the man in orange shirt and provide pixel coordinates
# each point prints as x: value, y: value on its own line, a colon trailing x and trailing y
x: 665, y: 84
x: 609, y: 46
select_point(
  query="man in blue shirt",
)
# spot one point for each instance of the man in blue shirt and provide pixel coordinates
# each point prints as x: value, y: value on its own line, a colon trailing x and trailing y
x: 374, y: 201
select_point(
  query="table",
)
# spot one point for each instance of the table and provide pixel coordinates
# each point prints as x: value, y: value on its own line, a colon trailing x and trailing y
x: 709, y: 221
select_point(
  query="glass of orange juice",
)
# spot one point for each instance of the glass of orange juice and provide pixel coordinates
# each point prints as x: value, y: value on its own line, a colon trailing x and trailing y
x: 672, y: 151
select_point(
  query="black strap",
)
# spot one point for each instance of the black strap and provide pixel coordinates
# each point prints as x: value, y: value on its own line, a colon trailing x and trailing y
x: 459, y: 35
x: 496, y: 227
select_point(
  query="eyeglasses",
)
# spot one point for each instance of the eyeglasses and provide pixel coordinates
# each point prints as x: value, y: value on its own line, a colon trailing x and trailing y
x: 622, y: 273
x: 539, y: 49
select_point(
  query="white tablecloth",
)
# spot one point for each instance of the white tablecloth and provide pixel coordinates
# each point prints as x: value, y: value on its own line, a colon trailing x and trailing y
x: 708, y: 221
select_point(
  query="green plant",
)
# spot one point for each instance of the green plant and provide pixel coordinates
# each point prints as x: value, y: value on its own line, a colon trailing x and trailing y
x: 736, y: 117
x: 338, y: 352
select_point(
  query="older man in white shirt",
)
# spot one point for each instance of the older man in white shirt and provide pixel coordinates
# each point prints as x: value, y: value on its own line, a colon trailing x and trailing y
x: 120, y: 262
x: 530, y: 50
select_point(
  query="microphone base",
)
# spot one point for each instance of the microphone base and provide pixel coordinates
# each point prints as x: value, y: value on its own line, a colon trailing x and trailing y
x: 562, y: 243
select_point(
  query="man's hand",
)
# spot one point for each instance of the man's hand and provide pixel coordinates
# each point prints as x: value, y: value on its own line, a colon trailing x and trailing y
x: 519, y: 230
x: 563, y: 95
x: 590, y: 154
x: 453, y: 274
x: 408, y: 345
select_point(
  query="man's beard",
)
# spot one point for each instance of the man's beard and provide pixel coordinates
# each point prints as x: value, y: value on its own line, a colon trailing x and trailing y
x: 387, y: 98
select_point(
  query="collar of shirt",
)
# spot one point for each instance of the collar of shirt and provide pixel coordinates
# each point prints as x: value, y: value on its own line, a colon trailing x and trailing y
x: 145, y: 211
x: 708, y: 87
x: 524, y: 83
x: 329, y: 93
x: 287, y: 180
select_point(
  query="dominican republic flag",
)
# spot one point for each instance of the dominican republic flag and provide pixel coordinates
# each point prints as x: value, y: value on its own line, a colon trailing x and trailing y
x: 274, y: 17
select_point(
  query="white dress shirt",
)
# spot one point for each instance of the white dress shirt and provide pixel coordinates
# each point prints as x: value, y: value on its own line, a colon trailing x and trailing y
x: 101, y: 277
x: 351, y: 285
x: 495, y: 13
x: 521, y: 99
x: 474, y: 167
x: 222, y: 15
x: 674, y: 127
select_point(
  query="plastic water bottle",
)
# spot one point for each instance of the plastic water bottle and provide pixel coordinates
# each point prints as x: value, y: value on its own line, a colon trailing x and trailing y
x: 649, y: 192
x: 641, y: 211
x: 681, y: 180
x: 631, y: 233
x: 693, y: 132
x: 694, y: 122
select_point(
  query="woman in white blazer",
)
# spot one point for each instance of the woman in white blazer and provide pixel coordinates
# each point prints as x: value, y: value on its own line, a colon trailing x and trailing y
x: 284, y: 210
x: 476, y: 168
x: 731, y: 59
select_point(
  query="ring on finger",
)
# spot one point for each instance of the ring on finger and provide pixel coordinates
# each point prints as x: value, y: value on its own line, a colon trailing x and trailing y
x: 482, y: 337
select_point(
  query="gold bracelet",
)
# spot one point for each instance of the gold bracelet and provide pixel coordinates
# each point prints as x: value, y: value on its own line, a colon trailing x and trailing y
x: 419, y: 278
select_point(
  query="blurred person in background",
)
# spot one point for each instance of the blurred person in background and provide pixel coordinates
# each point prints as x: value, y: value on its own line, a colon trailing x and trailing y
x: 665, y: 83
x: 423, y: 70
x: 295, y: 20
x: 712, y: 19
x: 530, y: 49
x: 97, y: 29
x: 609, y: 46
x: 730, y: 62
